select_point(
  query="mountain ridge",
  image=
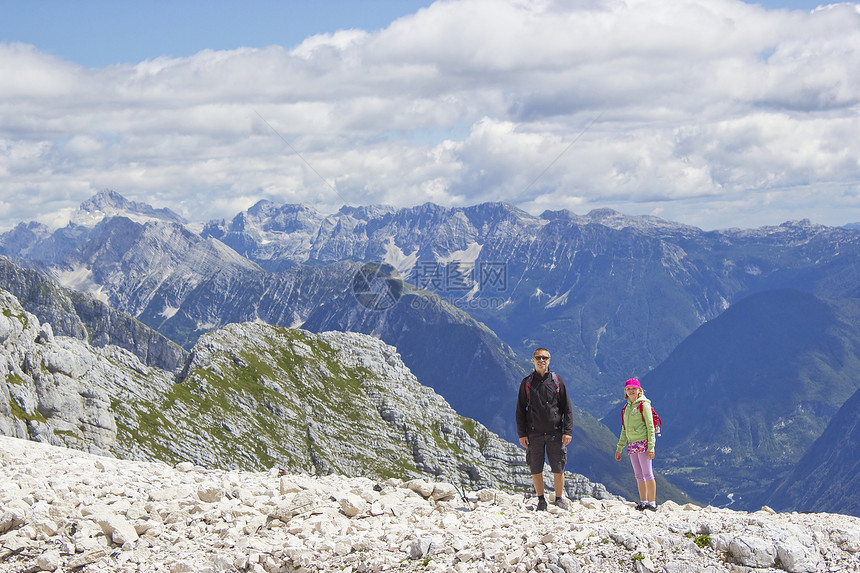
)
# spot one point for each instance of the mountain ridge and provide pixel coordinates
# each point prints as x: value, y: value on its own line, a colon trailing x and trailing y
x: 75, y: 314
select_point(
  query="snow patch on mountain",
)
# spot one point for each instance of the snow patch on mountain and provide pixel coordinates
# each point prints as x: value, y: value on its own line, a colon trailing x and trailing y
x: 465, y: 258
x: 395, y: 257
x: 80, y: 278
x: 169, y: 311
x: 559, y: 300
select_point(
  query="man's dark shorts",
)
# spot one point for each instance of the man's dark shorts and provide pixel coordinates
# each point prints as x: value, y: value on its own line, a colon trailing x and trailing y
x: 550, y: 445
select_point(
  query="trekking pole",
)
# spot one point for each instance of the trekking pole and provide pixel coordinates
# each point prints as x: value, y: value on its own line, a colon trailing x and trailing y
x: 462, y: 493
x: 528, y: 493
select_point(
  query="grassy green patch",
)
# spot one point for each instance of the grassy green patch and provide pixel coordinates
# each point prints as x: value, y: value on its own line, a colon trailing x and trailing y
x: 476, y: 432
x: 280, y: 398
x: 15, y: 379
x: 66, y: 434
x: 21, y: 414
x: 684, y: 470
x: 21, y: 317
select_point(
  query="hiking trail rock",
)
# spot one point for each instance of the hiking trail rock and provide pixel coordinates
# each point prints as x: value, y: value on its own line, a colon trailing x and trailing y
x: 63, y: 510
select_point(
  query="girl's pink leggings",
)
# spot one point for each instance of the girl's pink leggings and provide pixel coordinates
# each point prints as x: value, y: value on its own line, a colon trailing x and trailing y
x: 642, y: 467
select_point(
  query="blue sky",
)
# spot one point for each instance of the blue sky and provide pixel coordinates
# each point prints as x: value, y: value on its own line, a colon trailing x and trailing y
x: 104, y: 32
x: 99, y: 33
x: 715, y: 113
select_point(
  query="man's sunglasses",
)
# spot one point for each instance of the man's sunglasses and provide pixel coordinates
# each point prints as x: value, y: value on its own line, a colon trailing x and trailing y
x: 541, y: 357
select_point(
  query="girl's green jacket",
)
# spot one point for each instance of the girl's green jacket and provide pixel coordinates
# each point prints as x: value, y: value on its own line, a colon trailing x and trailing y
x: 634, y: 428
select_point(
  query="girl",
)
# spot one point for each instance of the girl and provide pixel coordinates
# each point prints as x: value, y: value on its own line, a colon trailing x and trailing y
x: 637, y: 431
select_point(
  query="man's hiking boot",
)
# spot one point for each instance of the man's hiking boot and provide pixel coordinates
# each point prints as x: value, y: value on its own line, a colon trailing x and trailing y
x: 541, y: 506
x: 651, y: 506
x: 561, y: 503
x: 640, y: 505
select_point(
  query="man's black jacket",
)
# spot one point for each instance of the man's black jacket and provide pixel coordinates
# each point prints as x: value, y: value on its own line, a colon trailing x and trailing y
x: 543, y: 409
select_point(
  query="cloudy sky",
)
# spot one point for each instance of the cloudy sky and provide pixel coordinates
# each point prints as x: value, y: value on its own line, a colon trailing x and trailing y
x: 714, y: 113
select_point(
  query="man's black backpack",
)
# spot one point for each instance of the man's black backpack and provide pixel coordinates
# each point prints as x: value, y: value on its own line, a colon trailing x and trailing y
x: 554, y: 379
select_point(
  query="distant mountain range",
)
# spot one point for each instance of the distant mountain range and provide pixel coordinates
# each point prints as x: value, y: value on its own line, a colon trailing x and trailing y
x: 611, y: 295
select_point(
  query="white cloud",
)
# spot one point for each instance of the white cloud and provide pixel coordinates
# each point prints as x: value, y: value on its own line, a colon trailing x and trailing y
x: 708, y: 112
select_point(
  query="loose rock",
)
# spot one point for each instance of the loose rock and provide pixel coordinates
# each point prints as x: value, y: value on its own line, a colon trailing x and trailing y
x: 63, y: 509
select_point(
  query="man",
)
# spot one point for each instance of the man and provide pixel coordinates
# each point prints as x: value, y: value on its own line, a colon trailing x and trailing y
x: 545, y: 425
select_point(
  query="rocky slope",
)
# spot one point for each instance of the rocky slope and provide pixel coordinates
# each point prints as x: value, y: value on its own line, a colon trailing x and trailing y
x: 78, y: 315
x: 62, y: 509
x: 250, y: 396
x: 61, y: 390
